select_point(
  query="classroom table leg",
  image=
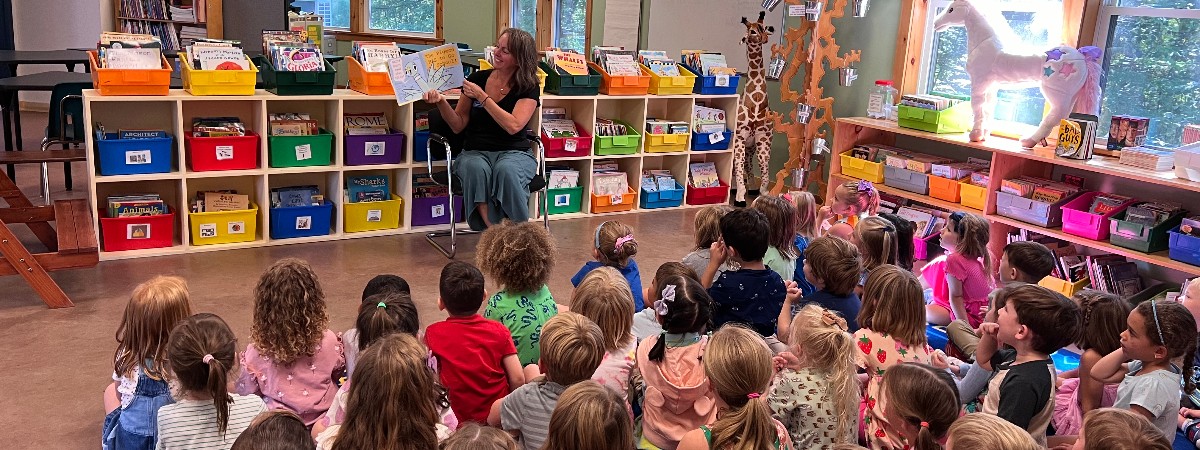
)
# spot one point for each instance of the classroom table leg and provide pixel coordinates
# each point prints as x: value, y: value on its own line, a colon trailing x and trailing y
x: 4, y: 103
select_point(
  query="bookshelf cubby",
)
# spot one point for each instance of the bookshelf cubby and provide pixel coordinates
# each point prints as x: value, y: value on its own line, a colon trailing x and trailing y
x: 129, y: 18
x: 174, y: 113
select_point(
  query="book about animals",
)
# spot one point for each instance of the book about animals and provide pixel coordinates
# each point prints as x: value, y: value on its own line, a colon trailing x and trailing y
x: 435, y: 69
x: 368, y: 188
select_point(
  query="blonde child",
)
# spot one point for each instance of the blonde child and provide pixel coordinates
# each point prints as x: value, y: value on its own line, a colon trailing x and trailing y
x: 922, y: 404
x: 614, y: 246
x: 962, y: 292
x: 604, y: 297
x: 139, y: 388
x: 781, y: 222
x: 678, y: 395
x: 738, y: 364
x: 202, y: 352
x: 981, y: 431
x: 275, y: 430
x: 645, y: 323
x: 572, y: 347
x: 1157, y: 334
x: 806, y: 230
x: 851, y: 200
x: 1119, y: 429
x: 708, y: 230
x: 378, y: 285
x: 877, y: 241
x: 293, y: 358
x: 473, y: 436
x: 817, y: 394
x: 519, y: 257
x: 394, y: 400
x: 589, y: 417
x: 1102, y: 322
x: 892, y: 332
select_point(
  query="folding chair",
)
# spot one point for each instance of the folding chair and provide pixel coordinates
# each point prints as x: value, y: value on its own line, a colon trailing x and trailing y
x: 537, y: 184
x: 64, y: 127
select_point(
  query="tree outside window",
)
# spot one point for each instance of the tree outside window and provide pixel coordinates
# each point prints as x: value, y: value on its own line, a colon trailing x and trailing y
x: 411, y: 16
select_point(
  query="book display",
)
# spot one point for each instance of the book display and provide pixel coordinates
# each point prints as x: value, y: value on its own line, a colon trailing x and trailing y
x: 176, y: 23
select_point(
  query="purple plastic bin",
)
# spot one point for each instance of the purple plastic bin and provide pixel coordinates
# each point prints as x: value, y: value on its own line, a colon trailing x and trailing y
x: 432, y: 211
x: 1078, y: 221
x: 364, y: 150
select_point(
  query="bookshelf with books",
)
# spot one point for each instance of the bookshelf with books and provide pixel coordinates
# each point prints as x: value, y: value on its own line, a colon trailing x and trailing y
x: 175, y: 22
x: 175, y: 113
x: 1008, y: 162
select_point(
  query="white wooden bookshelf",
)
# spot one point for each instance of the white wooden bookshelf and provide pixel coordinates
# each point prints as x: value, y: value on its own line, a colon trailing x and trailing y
x: 174, y: 113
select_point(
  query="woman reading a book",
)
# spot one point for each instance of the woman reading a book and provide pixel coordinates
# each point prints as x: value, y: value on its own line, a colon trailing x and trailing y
x: 493, y: 112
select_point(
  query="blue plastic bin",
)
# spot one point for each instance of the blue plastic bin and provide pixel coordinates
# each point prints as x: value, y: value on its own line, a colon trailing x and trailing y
x: 134, y: 156
x: 703, y: 141
x: 1184, y: 247
x: 707, y: 84
x: 1065, y: 360
x: 301, y: 221
x: 420, y: 141
x: 937, y: 337
x: 662, y: 199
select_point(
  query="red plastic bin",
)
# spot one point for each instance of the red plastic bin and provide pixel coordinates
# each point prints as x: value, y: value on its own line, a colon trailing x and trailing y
x: 568, y: 147
x: 1078, y: 221
x: 222, y: 153
x: 136, y: 233
x: 709, y: 195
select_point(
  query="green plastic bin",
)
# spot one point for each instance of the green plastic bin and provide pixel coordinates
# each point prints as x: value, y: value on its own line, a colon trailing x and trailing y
x: 296, y: 83
x: 955, y: 119
x: 571, y: 84
x: 565, y: 200
x: 1140, y: 237
x: 300, y: 151
x: 618, y: 145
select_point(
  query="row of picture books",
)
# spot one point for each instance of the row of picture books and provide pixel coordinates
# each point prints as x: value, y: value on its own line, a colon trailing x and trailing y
x: 1107, y: 273
x: 144, y: 9
x: 608, y: 180
x: 619, y: 61
x: 927, y: 221
x: 555, y: 123
x: 128, y: 133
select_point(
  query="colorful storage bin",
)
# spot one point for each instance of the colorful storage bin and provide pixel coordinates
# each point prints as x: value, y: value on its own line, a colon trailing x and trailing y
x: 224, y: 227
x: 433, y: 211
x: 1064, y: 287
x: 420, y: 145
x: 666, y: 143
x: 370, y: 83
x: 613, y: 203
x: 134, y: 156
x: 1184, y: 247
x: 368, y: 216
x: 710, y: 85
x: 1048, y: 215
x: 861, y: 168
x: 283, y: 82
x: 565, y: 200
x: 300, y: 151
x: 621, y: 84
x: 571, y: 84
x: 708, y: 195
x: 568, y: 147
x: 301, y: 221
x: 955, y: 119
x: 619, y: 145
x: 936, y: 336
x: 662, y: 199
x: 924, y: 248
x: 541, y: 74
x: 972, y: 196
x: 119, y: 234
x: 1140, y: 237
x: 945, y: 189
x: 217, y: 82
x: 905, y: 179
x: 703, y: 142
x: 130, y: 81
x: 676, y: 85
x: 1078, y: 221
x: 222, y: 153
x: 365, y: 150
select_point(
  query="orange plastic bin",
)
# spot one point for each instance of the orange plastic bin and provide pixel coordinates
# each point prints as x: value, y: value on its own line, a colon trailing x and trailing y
x: 621, y: 84
x: 370, y: 83
x: 130, y: 81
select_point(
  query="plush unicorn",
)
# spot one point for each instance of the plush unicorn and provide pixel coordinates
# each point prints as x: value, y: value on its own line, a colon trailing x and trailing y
x: 1069, y: 78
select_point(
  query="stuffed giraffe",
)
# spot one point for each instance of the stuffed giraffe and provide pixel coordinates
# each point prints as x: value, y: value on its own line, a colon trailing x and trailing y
x: 752, y: 120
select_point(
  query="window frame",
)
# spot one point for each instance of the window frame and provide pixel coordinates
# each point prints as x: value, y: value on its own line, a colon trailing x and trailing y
x: 547, y: 21
x: 360, y: 16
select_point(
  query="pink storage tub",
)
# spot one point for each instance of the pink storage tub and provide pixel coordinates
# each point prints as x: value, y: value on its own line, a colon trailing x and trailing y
x: 1078, y: 221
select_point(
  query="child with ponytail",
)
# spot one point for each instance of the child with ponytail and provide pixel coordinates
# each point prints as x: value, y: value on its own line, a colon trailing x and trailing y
x: 851, y: 200
x: 202, y: 352
x: 738, y: 365
x: 816, y: 394
x: 877, y: 242
x: 806, y: 230
x: 921, y: 404
x: 678, y: 398
x: 614, y: 246
x: 961, y: 286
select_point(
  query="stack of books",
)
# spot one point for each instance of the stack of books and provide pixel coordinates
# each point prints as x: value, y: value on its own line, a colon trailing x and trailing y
x: 220, y: 200
x: 218, y: 127
x: 927, y: 221
x: 374, y: 56
x: 562, y: 177
x: 182, y: 13
x: 703, y: 175
x: 1077, y: 136
x: 1151, y: 214
x: 217, y: 54
x: 657, y: 180
x: 129, y: 51
x: 931, y: 101
x: 1149, y: 158
x: 188, y: 35
x: 292, y: 196
x: 607, y: 179
x: 708, y: 120
x: 617, y: 61
x: 875, y: 153
x: 425, y: 187
x: 367, y: 188
x: 708, y: 63
x: 136, y: 205
x: 368, y: 124
x: 1038, y: 189
x: 291, y: 51
x: 559, y: 128
x: 659, y: 126
x: 293, y: 124
x: 609, y: 127
x: 566, y: 62
x: 958, y: 170
x: 658, y: 62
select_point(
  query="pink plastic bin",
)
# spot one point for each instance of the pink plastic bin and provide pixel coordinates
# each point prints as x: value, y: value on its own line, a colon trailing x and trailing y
x: 1078, y: 221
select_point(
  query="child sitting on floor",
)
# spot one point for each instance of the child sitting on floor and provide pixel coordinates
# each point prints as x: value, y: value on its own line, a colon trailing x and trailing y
x: 781, y: 222
x: 1103, y: 319
x: 378, y: 285
x: 851, y: 200
x: 921, y: 404
x: 752, y: 295
x: 832, y: 264
x: 816, y: 394
x: 961, y: 285
x: 604, y: 297
x: 645, y: 323
x: 806, y: 231
x: 708, y: 230
x: 614, y: 246
x: 519, y: 257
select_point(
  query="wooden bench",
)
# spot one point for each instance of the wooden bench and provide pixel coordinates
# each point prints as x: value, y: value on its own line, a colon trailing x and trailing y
x: 44, y: 158
x: 72, y: 245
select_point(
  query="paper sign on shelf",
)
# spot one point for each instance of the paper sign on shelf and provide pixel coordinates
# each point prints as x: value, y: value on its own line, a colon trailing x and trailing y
x: 224, y: 152
x: 714, y: 138
x: 208, y: 230
x: 721, y: 80
x: 795, y: 10
x: 303, y: 152
x: 562, y: 199
x: 304, y: 223
x: 137, y: 157
x: 437, y: 210
x: 374, y: 215
x: 570, y: 146
x: 376, y: 148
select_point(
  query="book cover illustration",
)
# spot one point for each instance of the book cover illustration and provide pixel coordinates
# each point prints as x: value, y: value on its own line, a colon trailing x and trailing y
x: 413, y: 75
x: 370, y: 188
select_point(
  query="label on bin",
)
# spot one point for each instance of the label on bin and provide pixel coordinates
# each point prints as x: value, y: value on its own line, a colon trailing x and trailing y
x: 374, y: 215
x: 304, y: 223
x: 224, y: 152
x: 562, y: 199
x: 796, y: 10
x: 375, y: 148
x: 721, y: 81
x: 616, y: 199
x: 569, y: 146
x: 437, y: 211
x: 208, y: 230
x: 137, y: 231
x: 238, y: 227
x: 716, y: 137
x: 303, y: 152
x: 137, y: 157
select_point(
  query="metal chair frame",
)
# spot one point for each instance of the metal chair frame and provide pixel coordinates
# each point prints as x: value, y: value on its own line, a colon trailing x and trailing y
x: 49, y: 141
x: 542, y: 197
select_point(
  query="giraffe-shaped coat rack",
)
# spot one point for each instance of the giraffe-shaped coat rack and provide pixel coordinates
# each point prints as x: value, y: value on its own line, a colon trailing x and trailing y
x: 821, y: 48
x: 753, y: 115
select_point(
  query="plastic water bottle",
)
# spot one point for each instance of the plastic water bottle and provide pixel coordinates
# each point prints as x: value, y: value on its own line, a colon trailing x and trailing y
x: 882, y: 97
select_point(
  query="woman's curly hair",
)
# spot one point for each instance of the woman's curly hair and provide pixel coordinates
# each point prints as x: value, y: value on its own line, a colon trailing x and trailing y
x: 289, y: 311
x: 519, y: 256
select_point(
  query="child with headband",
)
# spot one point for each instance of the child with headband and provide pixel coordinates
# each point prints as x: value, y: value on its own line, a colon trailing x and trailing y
x: 614, y: 246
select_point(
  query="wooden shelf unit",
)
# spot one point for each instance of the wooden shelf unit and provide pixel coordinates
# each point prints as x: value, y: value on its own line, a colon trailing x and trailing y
x: 174, y: 113
x: 214, y: 24
x: 1008, y: 160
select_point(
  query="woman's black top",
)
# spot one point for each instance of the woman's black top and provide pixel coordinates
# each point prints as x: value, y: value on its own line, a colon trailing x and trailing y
x: 482, y: 131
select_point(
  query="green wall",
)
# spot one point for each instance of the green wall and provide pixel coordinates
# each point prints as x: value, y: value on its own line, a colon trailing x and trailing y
x: 474, y: 22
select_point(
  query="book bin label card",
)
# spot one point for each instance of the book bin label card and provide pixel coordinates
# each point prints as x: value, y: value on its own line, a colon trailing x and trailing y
x: 376, y: 148
x: 238, y: 227
x: 562, y: 199
x: 796, y: 10
x: 716, y: 137
x: 616, y: 199
x: 303, y: 152
x: 570, y: 146
x: 137, y: 231
x: 437, y: 211
x: 208, y: 230
x: 374, y: 215
x: 304, y: 223
x: 224, y: 152
x: 137, y: 157
x: 721, y: 80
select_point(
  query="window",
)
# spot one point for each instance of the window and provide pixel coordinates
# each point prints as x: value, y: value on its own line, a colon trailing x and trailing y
x: 1036, y: 27
x: 405, y: 16
x: 1152, y: 64
x: 570, y: 25
x: 524, y: 15
x: 335, y: 12
x: 564, y: 27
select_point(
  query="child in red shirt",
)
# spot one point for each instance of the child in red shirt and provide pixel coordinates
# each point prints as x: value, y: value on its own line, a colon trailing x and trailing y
x: 476, y: 358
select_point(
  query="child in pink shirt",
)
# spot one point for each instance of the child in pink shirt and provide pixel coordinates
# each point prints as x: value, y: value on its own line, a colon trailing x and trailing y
x: 962, y: 292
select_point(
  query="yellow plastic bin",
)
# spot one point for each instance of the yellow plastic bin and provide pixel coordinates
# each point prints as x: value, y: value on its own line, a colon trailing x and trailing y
x: 678, y: 85
x: 1063, y: 287
x: 218, y: 82
x: 370, y: 216
x: 224, y: 227
x: 861, y: 168
x: 665, y: 143
x: 972, y: 196
x: 541, y: 74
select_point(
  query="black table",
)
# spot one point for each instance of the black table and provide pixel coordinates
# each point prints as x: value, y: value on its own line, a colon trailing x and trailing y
x: 68, y: 58
x: 44, y: 81
x: 14, y: 58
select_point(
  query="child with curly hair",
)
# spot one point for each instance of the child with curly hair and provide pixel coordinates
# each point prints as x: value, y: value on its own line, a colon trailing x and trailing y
x: 614, y: 246
x: 293, y: 358
x: 520, y: 258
